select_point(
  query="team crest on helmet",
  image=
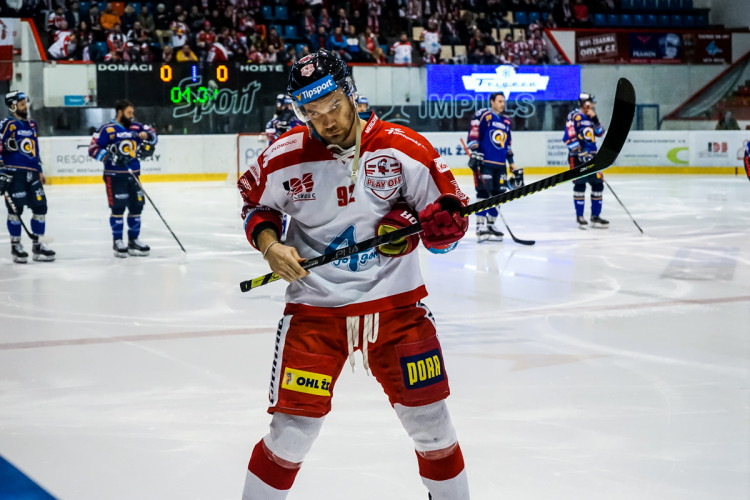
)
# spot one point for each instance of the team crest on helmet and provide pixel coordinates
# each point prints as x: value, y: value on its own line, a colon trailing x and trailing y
x: 307, y: 70
x: 306, y: 58
x: 383, y: 175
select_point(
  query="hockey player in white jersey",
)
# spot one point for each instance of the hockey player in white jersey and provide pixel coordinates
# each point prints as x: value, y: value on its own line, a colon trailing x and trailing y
x: 344, y: 178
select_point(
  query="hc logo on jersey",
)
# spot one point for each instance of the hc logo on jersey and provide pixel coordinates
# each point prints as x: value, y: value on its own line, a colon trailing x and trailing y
x: 300, y: 189
x: 383, y: 175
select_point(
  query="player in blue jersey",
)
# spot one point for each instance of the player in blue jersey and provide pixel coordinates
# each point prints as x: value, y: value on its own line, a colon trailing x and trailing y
x: 490, y: 148
x: 21, y: 177
x: 581, y: 130
x: 747, y: 159
x: 120, y: 145
x: 363, y: 104
x: 283, y: 120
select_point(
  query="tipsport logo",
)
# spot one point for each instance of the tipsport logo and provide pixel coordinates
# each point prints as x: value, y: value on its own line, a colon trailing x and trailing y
x: 315, y: 90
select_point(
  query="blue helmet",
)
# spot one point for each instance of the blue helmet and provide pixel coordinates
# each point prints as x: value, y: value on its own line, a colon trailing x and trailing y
x: 12, y: 98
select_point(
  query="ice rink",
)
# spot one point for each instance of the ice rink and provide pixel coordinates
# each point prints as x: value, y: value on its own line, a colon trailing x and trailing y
x: 598, y: 364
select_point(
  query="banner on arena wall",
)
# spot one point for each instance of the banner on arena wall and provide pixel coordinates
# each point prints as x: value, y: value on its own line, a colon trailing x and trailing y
x: 708, y: 48
x: 664, y: 148
x: 447, y: 82
x: 593, y: 48
x: 8, y: 34
x: 174, y: 155
x: 180, y: 157
x: 717, y: 148
x: 652, y: 47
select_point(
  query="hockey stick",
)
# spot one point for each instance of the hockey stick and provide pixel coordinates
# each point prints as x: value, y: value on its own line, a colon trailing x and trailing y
x: 517, y: 240
x: 34, y: 237
x: 622, y: 205
x: 157, y: 210
x: 513, y: 236
x: 622, y: 118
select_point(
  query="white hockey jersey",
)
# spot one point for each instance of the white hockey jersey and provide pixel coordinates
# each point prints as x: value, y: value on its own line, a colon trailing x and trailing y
x: 299, y: 176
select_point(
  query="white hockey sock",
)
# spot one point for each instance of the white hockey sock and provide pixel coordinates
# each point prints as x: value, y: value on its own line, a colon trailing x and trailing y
x: 255, y: 489
x: 456, y: 488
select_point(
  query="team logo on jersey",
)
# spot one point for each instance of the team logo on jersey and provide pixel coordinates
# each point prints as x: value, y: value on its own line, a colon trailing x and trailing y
x: 307, y: 382
x: 300, y: 189
x: 422, y: 370
x: 498, y: 138
x: 355, y: 262
x: 28, y: 147
x: 307, y: 70
x: 383, y: 175
x: 127, y: 147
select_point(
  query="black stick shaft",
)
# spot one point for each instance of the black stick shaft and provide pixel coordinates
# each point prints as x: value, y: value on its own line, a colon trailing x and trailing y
x: 517, y: 240
x: 623, y: 205
x: 622, y: 118
x: 13, y: 209
x: 137, y: 180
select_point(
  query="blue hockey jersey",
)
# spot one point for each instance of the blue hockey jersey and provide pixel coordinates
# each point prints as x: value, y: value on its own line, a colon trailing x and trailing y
x: 581, y: 132
x: 19, y: 144
x: 491, y: 135
x: 113, y: 134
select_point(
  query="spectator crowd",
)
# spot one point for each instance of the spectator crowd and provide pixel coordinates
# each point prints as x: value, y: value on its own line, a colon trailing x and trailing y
x: 254, y: 31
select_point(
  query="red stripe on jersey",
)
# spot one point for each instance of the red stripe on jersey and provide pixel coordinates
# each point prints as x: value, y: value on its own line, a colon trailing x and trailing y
x: 371, y: 307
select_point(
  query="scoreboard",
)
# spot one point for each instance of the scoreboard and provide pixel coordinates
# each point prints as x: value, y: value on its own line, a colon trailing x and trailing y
x: 227, y: 87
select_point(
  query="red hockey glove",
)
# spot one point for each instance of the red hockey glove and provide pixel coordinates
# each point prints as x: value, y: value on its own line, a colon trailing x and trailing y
x: 442, y: 225
x: 401, y: 215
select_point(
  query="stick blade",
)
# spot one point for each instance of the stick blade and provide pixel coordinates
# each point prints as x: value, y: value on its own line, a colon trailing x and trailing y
x: 622, y: 118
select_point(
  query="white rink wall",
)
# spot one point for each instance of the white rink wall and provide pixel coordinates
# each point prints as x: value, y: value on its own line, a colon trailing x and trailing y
x: 221, y: 157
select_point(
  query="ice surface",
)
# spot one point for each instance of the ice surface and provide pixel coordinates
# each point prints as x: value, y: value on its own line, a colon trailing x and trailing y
x: 595, y: 364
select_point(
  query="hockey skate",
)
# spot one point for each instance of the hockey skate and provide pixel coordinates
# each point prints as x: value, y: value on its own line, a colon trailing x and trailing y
x: 120, y: 248
x: 41, y: 253
x: 598, y: 222
x: 482, y: 233
x: 581, y: 222
x: 495, y: 235
x: 137, y: 248
x: 16, y: 250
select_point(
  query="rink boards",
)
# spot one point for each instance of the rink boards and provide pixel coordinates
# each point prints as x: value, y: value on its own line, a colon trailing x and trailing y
x: 223, y: 157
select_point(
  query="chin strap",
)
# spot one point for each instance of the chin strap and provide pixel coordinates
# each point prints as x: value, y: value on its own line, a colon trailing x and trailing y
x: 358, y: 143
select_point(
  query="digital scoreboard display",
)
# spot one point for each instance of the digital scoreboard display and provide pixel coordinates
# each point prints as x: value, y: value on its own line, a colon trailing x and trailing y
x: 185, y: 83
x: 544, y: 83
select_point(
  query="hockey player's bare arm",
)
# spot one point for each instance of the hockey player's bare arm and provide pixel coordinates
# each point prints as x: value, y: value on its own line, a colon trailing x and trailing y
x: 282, y: 259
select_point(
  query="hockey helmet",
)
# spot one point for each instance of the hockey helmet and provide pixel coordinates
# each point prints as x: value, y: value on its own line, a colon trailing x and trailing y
x: 315, y: 76
x: 584, y: 98
x: 362, y: 100
x: 280, y: 99
x: 12, y: 98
